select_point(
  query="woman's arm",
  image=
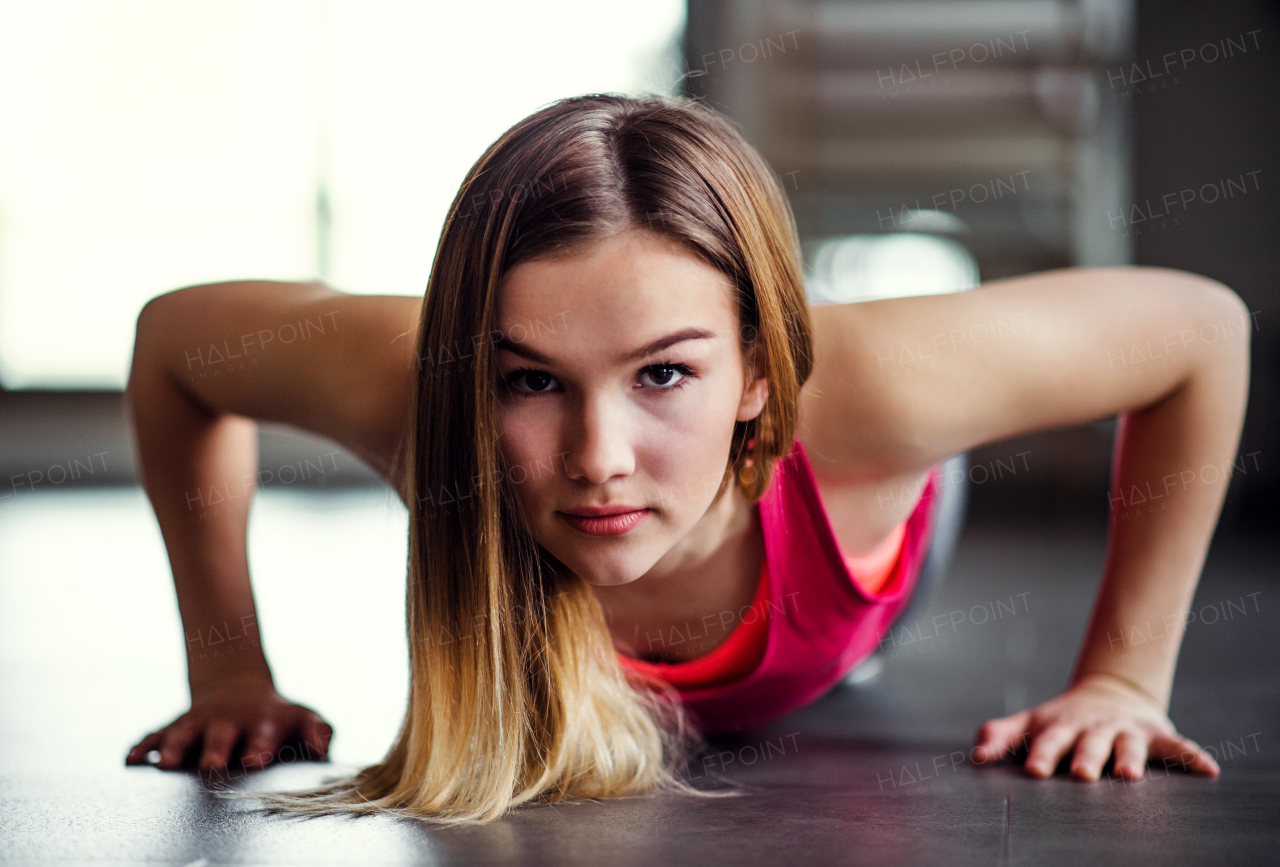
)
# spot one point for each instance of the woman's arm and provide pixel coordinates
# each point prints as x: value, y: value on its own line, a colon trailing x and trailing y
x: 207, y: 360
x: 1167, y: 350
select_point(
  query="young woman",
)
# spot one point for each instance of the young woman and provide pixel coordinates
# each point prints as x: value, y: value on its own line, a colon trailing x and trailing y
x: 614, y: 414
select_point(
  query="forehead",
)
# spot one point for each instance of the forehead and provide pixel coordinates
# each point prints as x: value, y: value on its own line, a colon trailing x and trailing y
x: 635, y: 277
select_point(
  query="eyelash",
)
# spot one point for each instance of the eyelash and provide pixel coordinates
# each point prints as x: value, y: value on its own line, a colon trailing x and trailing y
x: 685, y: 371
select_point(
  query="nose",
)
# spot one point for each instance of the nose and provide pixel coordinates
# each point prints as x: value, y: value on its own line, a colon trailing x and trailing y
x: 599, y: 447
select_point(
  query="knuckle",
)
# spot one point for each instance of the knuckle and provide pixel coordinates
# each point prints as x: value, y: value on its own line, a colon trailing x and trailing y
x: 261, y: 745
x: 1056, y: 731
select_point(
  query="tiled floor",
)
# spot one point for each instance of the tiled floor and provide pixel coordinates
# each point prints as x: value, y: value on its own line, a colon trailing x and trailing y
x: 90, y: 658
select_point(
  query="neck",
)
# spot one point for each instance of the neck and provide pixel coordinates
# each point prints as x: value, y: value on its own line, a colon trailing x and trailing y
x: 724, y: 522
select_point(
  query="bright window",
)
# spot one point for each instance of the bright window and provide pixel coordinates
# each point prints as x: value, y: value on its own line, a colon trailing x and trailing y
x: 147, y: 145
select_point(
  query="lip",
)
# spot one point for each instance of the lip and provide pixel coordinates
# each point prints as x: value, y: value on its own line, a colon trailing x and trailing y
x: 605, y: 520
x: 603, y: 511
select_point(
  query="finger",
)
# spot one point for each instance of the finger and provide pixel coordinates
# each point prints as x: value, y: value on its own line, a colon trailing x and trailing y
x: 1091, y: 752
x: 1048, y: 749
x: 262, y: 745
x: 1177, y: 751
x: 999, y: 736
x: 177, y: 740
x: 138, y: 753
x: 317, y: 733
x: 1131, y: 755
x: 220, y: 738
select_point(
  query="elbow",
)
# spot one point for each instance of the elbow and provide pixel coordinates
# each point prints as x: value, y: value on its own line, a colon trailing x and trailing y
x: 1225, y: 318
x: 146, y: 325
x: 1234, y: 308
x: 144, y: 333
x: 1220, y: 318
x: 149, y: 329
x: 1224, y: 328
x: 154, y: 330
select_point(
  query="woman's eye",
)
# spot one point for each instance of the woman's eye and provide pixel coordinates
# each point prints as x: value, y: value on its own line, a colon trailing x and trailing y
x: 663, y: 375
x: 660, y: 377
x: 534, y: 381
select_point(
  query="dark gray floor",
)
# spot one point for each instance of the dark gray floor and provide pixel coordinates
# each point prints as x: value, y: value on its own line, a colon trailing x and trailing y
x: 872, y: 774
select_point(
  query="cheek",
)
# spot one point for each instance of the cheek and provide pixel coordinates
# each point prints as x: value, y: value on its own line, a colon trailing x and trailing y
x: 686, y: 449
x: 529, y: 440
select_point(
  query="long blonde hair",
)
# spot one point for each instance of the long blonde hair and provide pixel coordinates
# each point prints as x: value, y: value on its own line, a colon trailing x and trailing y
x: 516, y: 694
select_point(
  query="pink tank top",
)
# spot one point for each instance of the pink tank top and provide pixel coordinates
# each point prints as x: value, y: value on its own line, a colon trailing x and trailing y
x: 818, y: 621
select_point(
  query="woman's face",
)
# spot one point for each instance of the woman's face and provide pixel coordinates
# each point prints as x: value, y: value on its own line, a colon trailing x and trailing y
x: 620, y: 380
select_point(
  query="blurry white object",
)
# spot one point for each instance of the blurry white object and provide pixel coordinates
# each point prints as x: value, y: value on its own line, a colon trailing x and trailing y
x: 866, y: 671
x: 866, y: 267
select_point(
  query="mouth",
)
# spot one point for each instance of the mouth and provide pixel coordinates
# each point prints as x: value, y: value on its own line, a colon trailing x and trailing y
x: 606, y: 520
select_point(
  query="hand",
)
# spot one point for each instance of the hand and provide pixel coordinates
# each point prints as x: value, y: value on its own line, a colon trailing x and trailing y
x: 230, y: 712
x: 1093, y: 716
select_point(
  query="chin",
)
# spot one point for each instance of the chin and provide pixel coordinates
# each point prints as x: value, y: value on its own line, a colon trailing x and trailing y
x: 607, y: 574
x: 605, y: 566
x: 610, y: 581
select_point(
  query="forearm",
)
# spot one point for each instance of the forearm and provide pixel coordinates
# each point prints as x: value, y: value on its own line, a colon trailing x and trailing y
x: 198, y: 468
x: 1173, y: 463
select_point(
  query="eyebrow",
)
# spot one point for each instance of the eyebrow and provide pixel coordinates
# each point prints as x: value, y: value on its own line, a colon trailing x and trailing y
x: 644, y: 351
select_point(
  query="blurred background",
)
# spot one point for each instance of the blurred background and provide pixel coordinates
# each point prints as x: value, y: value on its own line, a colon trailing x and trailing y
x: 147, y: 145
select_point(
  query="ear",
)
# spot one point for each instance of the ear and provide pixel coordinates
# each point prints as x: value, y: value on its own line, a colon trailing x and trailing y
x: 756, y: 390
